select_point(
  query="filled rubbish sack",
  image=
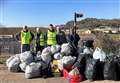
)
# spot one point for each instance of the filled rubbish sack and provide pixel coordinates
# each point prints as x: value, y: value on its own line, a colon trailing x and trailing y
x: 46, y: 55
x: 88, y: 43
x: 110, y: 72
x: 88, y: 50
x: 81, y: 63
x: 99, y: 54
x: 26, y: 57
x: 117, y: 59
x: 47, y: 51
x: 54, y: 68
x: 13, y: 63
x: 60, y: 65
x: 33, y: 70
x: 58, y: 56
x: 73, y: 76
x: 23, y: 66
x: 38, y: 56
x: 9, y: 59
x: 55, y: 49
x: 68, y: 61
x: 80, y: 50
x: 66, y: 49
x: 90, y: 71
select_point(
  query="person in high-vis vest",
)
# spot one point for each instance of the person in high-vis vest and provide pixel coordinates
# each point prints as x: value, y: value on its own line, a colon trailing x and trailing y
x: 25, y: 37
x: 51, y: 36
x: 39, y: 40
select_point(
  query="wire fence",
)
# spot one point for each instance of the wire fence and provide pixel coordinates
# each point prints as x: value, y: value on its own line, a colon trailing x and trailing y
x: 9, y: 47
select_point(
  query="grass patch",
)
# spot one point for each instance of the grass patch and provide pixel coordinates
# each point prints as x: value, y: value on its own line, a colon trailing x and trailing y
x: 115, y: 36
x: 2, y: 61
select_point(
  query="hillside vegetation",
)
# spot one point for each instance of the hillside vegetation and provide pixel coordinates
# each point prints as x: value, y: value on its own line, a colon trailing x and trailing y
x: 95, y: 23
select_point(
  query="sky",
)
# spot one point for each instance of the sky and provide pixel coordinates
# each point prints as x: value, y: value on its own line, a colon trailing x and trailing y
x: 44, y: 12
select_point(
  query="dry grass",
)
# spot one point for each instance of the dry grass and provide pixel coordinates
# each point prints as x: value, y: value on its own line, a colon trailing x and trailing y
x: 106, y: 43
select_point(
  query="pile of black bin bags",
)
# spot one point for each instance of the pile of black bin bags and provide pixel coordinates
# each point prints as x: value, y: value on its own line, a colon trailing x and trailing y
x: 94, y: 69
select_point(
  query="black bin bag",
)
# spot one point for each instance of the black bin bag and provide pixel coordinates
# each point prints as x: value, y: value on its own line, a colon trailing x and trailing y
x: 81, y: 63
x: 90, y: 71
x: 110, y: 69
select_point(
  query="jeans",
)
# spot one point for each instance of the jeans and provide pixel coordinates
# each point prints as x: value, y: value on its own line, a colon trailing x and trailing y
x: 25, y: 47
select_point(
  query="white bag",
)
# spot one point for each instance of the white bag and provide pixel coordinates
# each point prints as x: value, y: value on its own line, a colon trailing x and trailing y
x: 58, y: 56
x: 9, y: 59
x: 65, y: 49
x: 55, y: 49
x: 46, y: 58
x: 88, y: 51
x: 38, y: 58
x: 68, y: 60
x: 99, y: 54
x: 23, y: 66
x: 33, y: 70
x: 13, y: 64
x: 12, y: 57
x: 26, y: 57
x: 46, y: 51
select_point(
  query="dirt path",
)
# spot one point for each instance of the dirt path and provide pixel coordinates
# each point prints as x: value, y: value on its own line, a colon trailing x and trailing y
x: 8, y: 77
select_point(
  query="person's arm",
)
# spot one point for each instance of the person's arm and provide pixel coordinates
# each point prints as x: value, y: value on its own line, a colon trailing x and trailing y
x: 32, y: 36
x: 18, y: 36
x: 78, y: 37
x: 64, y: 37
x: 57, y: 38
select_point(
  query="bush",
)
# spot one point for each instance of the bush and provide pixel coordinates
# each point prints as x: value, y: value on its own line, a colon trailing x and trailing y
x: 106, y: 43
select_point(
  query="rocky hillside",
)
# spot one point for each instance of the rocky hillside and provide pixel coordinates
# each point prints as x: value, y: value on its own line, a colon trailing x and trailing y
x: 94, y: 23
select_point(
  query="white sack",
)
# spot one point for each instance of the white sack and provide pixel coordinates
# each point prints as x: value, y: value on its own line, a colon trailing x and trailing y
x: 66, y: 49
x: 33, y: 70
x: 57, y: 56
x: 46, y: 55
x: 26, y: 57
x: 23, y: 66
x: 46, y: 51
x: 88, y: 51
x: 99, y: 54
x: 68, y: 60
x: 13, y: 64
x: 55, y: 49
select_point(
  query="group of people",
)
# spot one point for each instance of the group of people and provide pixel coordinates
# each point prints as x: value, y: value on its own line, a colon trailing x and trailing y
x: 41, y: 39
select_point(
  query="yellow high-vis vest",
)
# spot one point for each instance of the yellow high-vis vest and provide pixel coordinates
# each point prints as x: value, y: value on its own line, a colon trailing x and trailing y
x: 42, y: 40
x: 25, y: 37
x: 51, y: 38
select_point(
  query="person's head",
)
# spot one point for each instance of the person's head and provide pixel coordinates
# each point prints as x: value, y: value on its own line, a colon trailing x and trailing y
x: 25, y: 28
x: 58, y: 29
x: 37, y: 30
x: 51, y: 27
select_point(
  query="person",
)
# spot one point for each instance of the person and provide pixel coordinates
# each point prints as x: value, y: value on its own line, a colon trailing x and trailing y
x: 61, y: 38
x: 73, y: 37
x: 39, y: 40
x: 25, y: 37
x: 51, y: 36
